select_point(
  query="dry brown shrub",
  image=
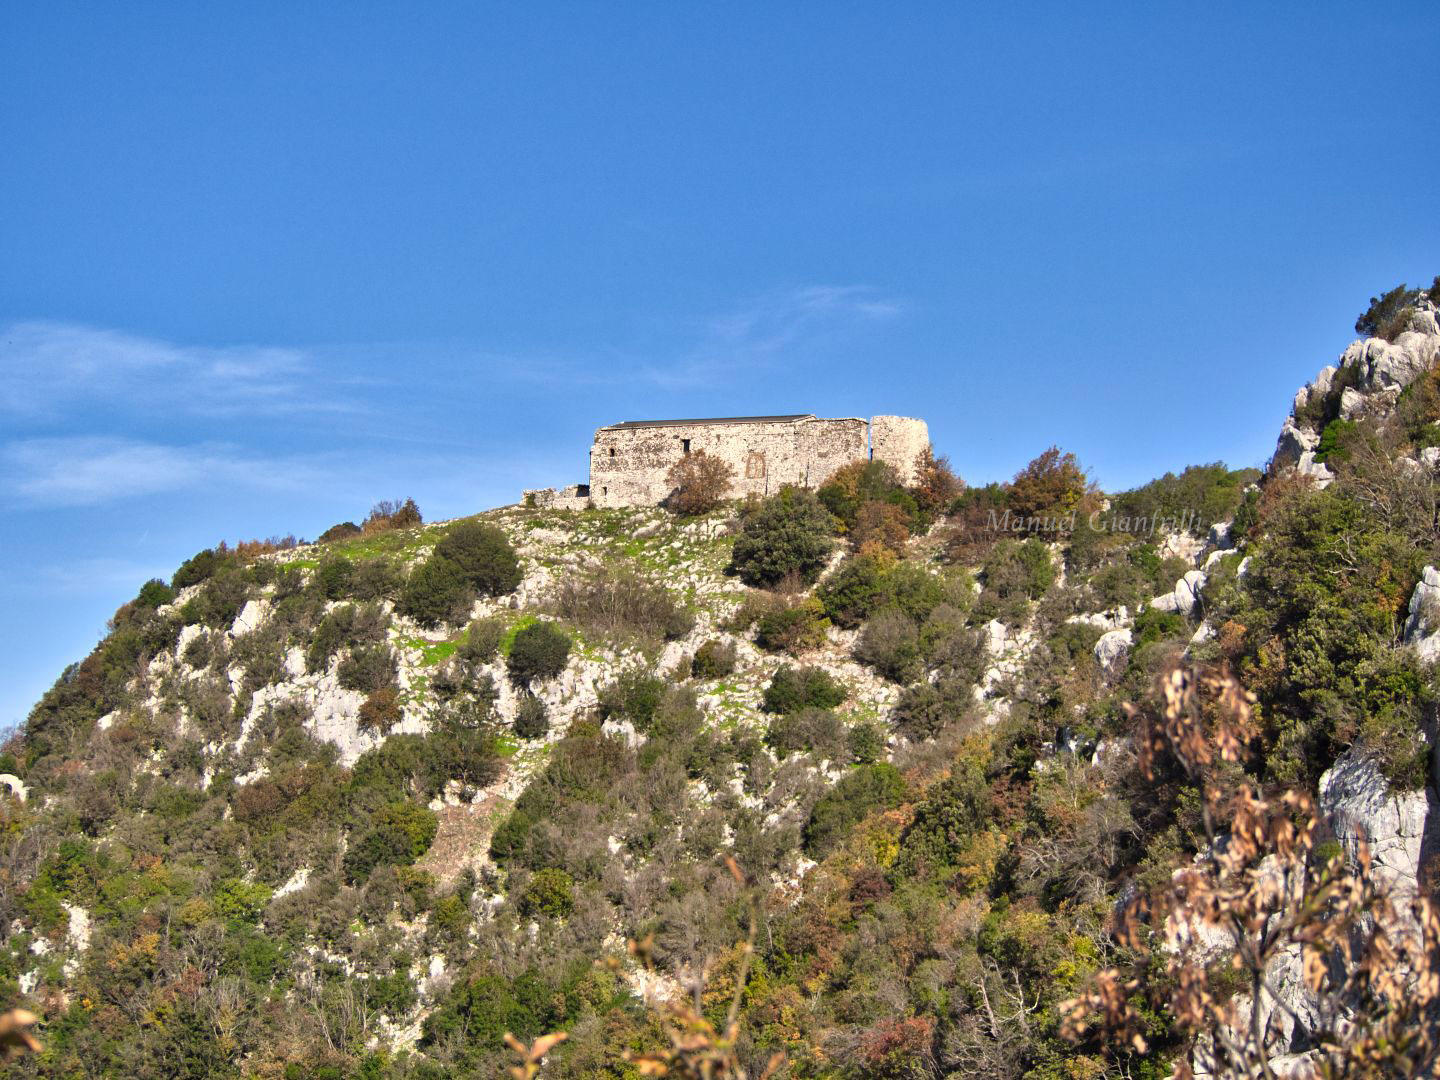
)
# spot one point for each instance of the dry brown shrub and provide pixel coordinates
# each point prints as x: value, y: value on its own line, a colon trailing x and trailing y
x: 1260, y: 891
x: 700, y: 482
x: 882, y: 524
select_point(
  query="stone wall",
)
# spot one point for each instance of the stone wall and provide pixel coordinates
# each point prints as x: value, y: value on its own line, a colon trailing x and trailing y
x: 574, y: 497
x: 629, y: 463
x: 902, y: 441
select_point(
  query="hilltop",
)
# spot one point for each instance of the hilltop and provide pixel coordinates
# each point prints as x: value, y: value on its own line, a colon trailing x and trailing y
x: 360, y: 807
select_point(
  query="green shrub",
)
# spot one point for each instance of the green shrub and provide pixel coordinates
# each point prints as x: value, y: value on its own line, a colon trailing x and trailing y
x: 1014, y: 574
x: 398, y: 835
x: 153, y: 594
x: 346, y: 625
x: 855, y: 590
x: 199, y: 652
x: 809, y: 728
x: 1153, y: 625
x: 713, y: 660
x: 532, y: 719
x: 865, y: 584
x: 927, y: 709
x: 199, y: 567
x: 482, y: 642
x: 368, y: 668
x: 484, y: 555
x: 616, y: 602
x: 480, y: 1011
x: 375, y: 579
x: 1201, y: 495
x: 862, y: 791
x: 1335, y: 440
x: 635, y: 696
x: 866, y: 742
x: 790, y: 535
x: 219, y: 600
x: 953, y: 648
x: 951, y: 812
x: 890, y: 643
x: 1388, y: 315
x: 437, y: 591
x: 793, y: 629
x: 792, y: 689
x: 539, y: 651
x: 333, y: 577
x: 345, y: 530
x: 548, y: 892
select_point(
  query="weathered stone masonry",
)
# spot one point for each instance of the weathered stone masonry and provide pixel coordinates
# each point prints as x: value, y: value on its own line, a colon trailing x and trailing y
x: 630, y: 462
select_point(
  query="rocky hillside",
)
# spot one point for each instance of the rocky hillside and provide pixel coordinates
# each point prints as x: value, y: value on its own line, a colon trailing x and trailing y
x: 361, y: 807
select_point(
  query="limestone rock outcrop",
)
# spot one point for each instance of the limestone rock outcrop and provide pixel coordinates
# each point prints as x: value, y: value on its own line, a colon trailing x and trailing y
x: 1422, y: 628
x: 1370, y: 376
x: 1359, y: 800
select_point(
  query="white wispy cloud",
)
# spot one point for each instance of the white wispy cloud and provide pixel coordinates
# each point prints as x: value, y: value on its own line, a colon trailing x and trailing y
x: 763, y: 329
x: 85, y: 470
x: 767, y: 327
x: 47, y: 368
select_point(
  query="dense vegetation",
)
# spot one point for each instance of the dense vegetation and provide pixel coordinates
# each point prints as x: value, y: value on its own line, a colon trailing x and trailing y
x: 864, y: 728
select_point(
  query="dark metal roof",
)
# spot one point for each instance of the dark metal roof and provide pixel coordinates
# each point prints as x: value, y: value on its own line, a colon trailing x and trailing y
x: 713, y: 420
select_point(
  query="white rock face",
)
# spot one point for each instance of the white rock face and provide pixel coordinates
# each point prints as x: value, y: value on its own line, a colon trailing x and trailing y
x: 1221, y: 536
x: 1318, y: 472
x: 1377, y: 371
x: 187, y: 635
x: 335, y: 719
x: 297, y: 881
x: 1294, y: 441
x: 1112, y: 649
x: 1105, y: 620
x: 1182, y: 545
x: 995, y: 637
x: 15, y: 784
x: 1422, y: 629
x: 252, y: 616
x: 1359, y: 799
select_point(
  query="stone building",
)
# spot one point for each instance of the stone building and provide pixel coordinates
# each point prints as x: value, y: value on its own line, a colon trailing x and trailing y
x: 630, y: 462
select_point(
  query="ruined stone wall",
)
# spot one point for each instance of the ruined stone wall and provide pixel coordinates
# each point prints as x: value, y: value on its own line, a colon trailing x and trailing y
x: 628, y: 466
x: 901, y: 441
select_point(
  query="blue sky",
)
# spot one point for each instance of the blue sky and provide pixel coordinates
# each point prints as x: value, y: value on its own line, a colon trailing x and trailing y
x: 262, y: 265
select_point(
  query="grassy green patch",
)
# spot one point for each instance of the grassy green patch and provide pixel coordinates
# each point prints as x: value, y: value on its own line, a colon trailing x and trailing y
x: 508, y: 641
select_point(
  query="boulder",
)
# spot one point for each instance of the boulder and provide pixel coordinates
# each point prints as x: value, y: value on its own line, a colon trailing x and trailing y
x: 15, y: 785
x: 1318, y: 472
x: 1184, y: 596
x: 1111, y: 650
x: 1352, y: 403
x: 1294, y: 441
